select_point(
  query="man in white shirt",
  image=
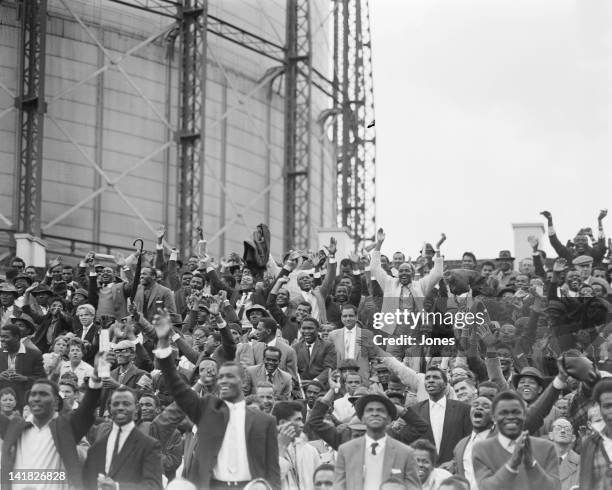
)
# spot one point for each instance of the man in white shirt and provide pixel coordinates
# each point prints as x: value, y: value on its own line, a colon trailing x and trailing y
x: 48, y: 442
x: 75, y: 364
x: 480, y: 415
x: 344, y: 410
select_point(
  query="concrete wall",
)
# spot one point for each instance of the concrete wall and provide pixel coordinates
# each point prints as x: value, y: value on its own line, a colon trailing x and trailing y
x: 116, y: 128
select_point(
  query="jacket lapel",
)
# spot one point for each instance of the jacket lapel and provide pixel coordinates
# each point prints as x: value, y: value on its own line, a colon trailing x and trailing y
x: 389, y: 457
x: 152, y: 296
x: 357, y: 468
x: 357, y: 344
x: 315, y: 349
x: 448, y: 422
x: 124, y: 455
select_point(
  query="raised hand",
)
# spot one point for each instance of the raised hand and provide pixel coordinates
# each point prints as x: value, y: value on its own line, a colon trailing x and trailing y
x: 560, y: 265
x: 441, y: 241
x: 354, y: 258
x: 548, y: 217
x: 160, y: 234
x: 55, y: 262
x: 332, y: 247
x: 602, y: 214
x: 380, y: 236
x: 163, y: 326
x: 533, y: 241
x: 90, y: 257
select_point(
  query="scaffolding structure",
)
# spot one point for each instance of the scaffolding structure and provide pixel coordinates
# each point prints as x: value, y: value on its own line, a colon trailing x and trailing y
x: 350, y: 95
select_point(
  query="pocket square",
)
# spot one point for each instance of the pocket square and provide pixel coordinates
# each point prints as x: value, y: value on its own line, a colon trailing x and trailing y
x: 396, y: 471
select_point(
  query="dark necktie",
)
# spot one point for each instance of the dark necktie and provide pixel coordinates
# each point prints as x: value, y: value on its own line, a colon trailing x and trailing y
x: 270, y: 378
x: 116, y: 449
x: 374, y: 446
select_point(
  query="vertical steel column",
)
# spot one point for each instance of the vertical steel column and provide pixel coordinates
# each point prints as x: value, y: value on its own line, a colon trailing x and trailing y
x: 31, y: 105
x: 298, y: 109
x: 355, y: 143
x: 191, y: 116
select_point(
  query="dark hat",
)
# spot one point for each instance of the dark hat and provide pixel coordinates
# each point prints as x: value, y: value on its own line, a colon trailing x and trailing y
x: 6, y: 287
x: 505, y: 255
x: 176, y: 319
x: 42, y: 288
x: 23, y: 276
x: 528, y: 372
x: 505, y: 290
x: 359, y: 392
x: 375, y: 397
x: 428, y: 248
x: 348, y: 364
x: 27, y: 319
x: 82, y: 292
x: 255, y: 308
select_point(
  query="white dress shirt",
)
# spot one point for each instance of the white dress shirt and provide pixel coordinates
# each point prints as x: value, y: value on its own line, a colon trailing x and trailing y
x: 82, y: 371
x: 112, y: 437
x: 507, y: 444
x: 437, y: 476
x: 437, y: 411
x: 373, y: 467
x: 349, y: 343
x: 314, y: 304
x: 36, y: 451
x: 344, y: 410
x: 232, y: 461
x: 468, y: 464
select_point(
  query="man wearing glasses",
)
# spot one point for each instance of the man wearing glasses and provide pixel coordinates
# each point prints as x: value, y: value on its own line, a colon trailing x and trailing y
x: 562, y: 436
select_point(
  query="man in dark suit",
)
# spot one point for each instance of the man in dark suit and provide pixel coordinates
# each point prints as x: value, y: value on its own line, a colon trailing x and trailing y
x: 19, y: 365
x: 482, y: 423
x: 270, y: 372
x: 150, y: 295
x: 315, y: 357
x: 266, y: 335
x: 235, y: 444
x: 125, y: 457
x: 88, y: 331
x: 52, y: 445
x: 449, y: 420
x: 514, y: 459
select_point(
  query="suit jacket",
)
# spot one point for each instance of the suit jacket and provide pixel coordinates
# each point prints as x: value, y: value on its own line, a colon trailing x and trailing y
x: 398, y: 461
x: 131, y: 377
x: 211, y: 415
x: 457, y: 425
x: 318, y: 364
x: 158, y: 293
x: 288, y: 357
x: 66, y: 429
x: 459, y: 451
x: 569, y: 470
x: 281, y: 381
x: 28, y: 364
x: 363, y: 354
x: 137, y: 467
x: 490, y: 460
x: 93, y: 337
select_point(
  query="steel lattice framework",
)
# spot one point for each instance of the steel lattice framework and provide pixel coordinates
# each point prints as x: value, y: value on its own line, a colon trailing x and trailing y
x: 298, y: 117
x: 350, y: 104
x: 30, y: 102
x: 354, y: 94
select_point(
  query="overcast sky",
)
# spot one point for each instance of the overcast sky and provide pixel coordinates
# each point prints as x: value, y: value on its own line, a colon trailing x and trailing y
x: 488, y: 112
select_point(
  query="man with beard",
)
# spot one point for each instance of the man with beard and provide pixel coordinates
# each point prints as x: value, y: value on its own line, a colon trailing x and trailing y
x: 449, y: 420
x: 315, y: 357
x: 562, y: 436
x: 269, y: 371
x: 581, y: 242
x: 367, y: 461
x: 513, y: 459
x: 482, y: 427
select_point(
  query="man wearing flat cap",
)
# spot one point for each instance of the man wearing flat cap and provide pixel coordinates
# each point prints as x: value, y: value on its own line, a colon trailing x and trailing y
x: 369, y: 460
x: 505, y: 273
x: 584, y: 265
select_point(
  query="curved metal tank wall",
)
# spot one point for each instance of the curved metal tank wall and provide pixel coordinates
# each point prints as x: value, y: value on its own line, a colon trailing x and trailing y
x: 115, y: 127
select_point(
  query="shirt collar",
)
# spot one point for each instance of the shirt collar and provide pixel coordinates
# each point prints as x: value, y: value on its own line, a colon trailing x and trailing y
x: 125, y: 429
x: 505, y: 442
x: 349, y: 332
x: 381, y: 442
x: 241, y: 405
x: 441, y: 402
x: 22, y: 348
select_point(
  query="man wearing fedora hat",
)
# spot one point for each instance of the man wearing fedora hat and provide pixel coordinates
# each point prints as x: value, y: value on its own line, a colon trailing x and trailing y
x: 504, y: 274
x: 8, y: 296
x: 364, y: 463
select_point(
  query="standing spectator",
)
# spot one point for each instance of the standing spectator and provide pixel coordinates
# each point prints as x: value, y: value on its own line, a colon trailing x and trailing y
x: 88, y: 332
x: 429, y: 475
x: 8, y: 296
x: 266, y: 336
x: 315, y: 357
x: 514, y: 459
x: 449, y: 419
x: 562, y: 436
x: 125, y: 458
x: 364, y: 463
x: 49, y: 442
x: 19, y: 365
x: 269, y: 371
x: 151, y: 296
x: 235, y: 444
x: 76, y: 364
